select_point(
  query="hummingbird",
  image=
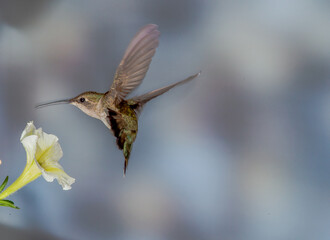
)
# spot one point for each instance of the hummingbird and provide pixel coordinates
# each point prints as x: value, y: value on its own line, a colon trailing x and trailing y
x: 113, y: 108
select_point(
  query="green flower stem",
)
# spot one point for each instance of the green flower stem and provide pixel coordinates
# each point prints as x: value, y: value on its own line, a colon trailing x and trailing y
x: 30, y: 173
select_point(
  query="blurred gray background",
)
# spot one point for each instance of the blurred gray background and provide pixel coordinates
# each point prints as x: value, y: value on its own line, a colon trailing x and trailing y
x: 241, y: 153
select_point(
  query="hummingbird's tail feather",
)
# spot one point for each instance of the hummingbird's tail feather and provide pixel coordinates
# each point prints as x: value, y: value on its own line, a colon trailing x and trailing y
x: 125, y: 166
x: 139, y: 101
x: 129, y: 138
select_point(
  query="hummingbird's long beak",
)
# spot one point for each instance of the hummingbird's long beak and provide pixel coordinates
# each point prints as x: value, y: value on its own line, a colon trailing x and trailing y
x: 66, y: 101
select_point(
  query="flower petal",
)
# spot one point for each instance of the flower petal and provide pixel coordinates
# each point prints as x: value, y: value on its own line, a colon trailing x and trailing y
x: 29, y: 130
x: 48, y: 148
x: 54, y: 170
x: 30, y: 145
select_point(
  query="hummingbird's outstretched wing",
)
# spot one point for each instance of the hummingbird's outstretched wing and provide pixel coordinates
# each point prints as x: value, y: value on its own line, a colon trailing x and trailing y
x: 135, y: 63
x: 139, y: 101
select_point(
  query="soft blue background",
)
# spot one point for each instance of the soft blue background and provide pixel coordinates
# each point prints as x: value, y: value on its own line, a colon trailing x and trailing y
x: 241, y: 153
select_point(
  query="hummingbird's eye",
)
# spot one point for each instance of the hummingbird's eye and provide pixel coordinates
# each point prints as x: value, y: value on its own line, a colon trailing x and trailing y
x: 82, y: 100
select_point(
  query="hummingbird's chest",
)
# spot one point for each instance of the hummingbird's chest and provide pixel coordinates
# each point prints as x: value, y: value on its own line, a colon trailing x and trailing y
x: 123, y: 111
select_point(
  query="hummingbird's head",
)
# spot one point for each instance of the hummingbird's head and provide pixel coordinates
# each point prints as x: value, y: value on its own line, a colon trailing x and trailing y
x: 86, y: 102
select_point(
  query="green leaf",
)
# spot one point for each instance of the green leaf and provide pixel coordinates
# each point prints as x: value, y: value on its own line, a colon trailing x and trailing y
x: 8, y: 203
x: 3, y: 184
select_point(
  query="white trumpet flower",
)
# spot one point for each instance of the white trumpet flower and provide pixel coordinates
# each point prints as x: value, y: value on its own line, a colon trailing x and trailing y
x: 43, y: 153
